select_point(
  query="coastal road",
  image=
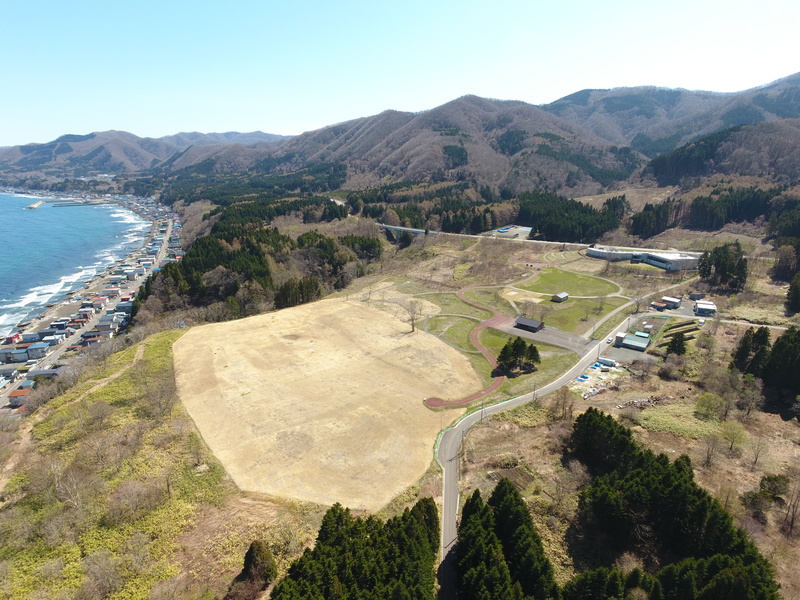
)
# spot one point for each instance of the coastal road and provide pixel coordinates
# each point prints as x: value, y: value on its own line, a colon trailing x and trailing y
x: 99, y: 282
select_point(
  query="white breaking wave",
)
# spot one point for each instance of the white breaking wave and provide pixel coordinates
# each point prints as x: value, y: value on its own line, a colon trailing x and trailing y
x: 42, y: 293
x: 126, y: 216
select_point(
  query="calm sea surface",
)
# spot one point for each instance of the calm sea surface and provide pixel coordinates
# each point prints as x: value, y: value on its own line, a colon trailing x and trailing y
x: 51, y: 250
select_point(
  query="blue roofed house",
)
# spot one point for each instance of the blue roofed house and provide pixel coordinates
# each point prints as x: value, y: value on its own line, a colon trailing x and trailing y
x: 38, y: 350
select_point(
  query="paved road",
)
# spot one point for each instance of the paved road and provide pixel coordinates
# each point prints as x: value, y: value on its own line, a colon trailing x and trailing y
x: 449, y: 451
x: 551, y: 335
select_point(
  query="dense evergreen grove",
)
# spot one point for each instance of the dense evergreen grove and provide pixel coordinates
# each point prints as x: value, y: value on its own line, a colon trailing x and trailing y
x: 784, y: 222
x: 752, y: 352
x: 724, y: 266
x: 777, y: 364
x: 603, y: 175
x: 499, y: 553
x: 637, y: 502
x: 710, y: 213
x: 365, y: 558
x: 516, y: 354
x: 653, y: 219
x: 690, y: 160
x: 642, y: 502
x: 554, y: 217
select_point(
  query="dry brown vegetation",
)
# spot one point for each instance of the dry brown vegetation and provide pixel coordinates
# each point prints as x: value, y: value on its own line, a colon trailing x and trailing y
x: 527, y: 446
x: 321, y: 402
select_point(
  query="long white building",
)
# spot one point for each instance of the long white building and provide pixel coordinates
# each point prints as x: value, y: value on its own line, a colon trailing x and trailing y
x: 669, y: 261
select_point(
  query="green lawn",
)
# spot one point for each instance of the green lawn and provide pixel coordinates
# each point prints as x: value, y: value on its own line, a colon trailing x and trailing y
x: 493, y: 299
x: 453, y: 305
x: 454, y: 330
x: 569, y: 315
x: 552, y: 281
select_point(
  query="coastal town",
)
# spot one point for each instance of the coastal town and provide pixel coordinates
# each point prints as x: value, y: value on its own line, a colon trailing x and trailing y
x: 90, y: 315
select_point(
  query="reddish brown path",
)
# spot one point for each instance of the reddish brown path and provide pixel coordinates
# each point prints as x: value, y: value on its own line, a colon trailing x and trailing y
x: 497, y: 321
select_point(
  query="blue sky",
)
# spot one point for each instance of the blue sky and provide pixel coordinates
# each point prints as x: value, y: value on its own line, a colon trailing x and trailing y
x: 158, y: 68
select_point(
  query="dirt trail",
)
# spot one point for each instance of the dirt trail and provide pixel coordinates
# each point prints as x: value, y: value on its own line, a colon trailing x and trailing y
x: 25, y: 439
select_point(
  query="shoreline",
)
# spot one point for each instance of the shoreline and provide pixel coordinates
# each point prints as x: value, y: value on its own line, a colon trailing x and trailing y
x: 64, y: 299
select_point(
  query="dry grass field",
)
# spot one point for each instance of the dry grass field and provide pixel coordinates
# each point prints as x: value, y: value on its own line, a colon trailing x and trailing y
x: 321, y: 402
x: 527, y: 447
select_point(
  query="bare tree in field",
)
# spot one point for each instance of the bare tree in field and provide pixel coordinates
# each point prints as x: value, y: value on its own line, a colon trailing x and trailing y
x: 712, y: 445
x: 601, y: 303
x: 758, y: 447
x: 792, y: 507
x: 412, y: 309
x: 563, y: 404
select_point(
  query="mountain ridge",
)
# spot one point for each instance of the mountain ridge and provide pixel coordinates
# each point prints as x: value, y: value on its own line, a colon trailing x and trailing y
x: 581, y: 144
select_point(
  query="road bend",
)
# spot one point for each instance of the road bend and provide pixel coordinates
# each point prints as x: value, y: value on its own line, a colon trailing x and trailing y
x: 449, y: 454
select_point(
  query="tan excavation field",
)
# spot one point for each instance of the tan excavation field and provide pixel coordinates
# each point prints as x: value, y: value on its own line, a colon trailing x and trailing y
x: 321, y: 402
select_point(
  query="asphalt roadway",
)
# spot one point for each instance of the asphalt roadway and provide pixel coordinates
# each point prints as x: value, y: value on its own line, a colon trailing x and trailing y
x: 449, y: 454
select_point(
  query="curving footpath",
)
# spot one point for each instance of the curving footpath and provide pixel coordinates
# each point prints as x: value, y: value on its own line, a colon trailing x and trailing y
x: 497, y: 321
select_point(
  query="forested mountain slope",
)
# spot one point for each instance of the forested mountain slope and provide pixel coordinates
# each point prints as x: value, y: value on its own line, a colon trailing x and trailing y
x: 767, y: 150
x: 655, y: 120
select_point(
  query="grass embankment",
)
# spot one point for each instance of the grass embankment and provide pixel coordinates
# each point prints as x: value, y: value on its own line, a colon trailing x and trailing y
x: 114, y: 474
x: 453, y: 330
x: 450, y: 304
x: 493, y: 299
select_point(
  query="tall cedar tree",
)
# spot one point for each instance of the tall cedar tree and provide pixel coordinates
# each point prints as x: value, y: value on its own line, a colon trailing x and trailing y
x: 677, y: 344
x: 793, y: 295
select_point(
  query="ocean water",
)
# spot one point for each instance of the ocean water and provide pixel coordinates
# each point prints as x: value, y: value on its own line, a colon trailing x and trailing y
x: 51, y: 250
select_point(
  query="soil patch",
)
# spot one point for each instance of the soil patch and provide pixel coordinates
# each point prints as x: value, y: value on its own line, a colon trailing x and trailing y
x: 321, y: 402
